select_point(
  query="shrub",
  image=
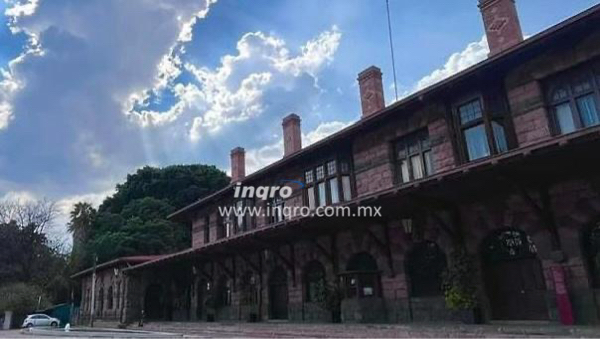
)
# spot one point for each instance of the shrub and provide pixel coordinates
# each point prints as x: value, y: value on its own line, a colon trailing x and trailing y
x: 22, y: 298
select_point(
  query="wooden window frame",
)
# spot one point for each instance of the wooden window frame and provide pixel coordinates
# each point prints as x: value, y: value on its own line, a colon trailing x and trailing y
x: 486, y: 119
x: 421, y: 153
x: 326, y: 178
x: 567, y: 81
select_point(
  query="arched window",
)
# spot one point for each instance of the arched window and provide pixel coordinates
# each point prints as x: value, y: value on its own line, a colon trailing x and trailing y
x: 119, y: 294
x: 508, y: 244
x: 100, y: 301
x: 224, y: 291
x: 109, y: 301
x: 361, y: 278
x: 425, y: 265
x: 314, y: 280
x: 249, y: 295
x: 592, y: 251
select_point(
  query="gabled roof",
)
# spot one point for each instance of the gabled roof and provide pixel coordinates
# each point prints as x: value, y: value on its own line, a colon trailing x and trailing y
x: 529, y: 48
x: 129, y: 261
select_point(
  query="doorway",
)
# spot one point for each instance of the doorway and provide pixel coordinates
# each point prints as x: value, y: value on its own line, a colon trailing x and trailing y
x: 278, y: 294
x: 513, y: 276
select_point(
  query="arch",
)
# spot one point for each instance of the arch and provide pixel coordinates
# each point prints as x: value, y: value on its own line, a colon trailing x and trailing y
x: 109, y: 298
x: 314, y: 281
x: 513, y: 276
x: 362, y: 276
x: 278, y: 293
x: 425, y: 265
x: 591, y: 249
x: 362, y: 261
x: 202, y: 291
x: 248, y: 287
x: 223, y: 291
x: 154, y: 302
x: 100, y: 301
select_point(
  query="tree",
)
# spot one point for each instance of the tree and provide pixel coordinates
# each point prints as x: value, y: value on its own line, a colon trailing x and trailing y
x: 26, y: 254
x: 133, y: 221
x: 82, y: 217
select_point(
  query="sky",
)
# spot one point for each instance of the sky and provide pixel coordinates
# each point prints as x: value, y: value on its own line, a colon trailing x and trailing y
x: 91, y: 90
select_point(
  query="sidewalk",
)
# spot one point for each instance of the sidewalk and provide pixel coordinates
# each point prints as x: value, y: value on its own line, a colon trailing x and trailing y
x: 293, y: 330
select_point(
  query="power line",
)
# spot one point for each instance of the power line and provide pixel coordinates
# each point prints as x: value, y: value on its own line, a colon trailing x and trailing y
x: 387, y: 5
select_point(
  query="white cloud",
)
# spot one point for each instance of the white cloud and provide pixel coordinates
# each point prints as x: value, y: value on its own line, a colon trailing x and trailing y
x: 8, y: 87
x: 260, y: 157
x: 61, y: 100
x: 20, y: 196
x: 474, y: 53
x: 235, y: 91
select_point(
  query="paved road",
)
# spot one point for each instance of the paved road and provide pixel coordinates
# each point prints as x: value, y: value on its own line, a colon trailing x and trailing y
x: 288, y: 330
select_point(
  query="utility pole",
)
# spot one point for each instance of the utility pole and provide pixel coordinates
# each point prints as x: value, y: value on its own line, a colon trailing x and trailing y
x: 93, y: 303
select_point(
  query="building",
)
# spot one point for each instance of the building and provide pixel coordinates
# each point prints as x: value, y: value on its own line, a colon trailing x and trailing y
x: 499, y: 161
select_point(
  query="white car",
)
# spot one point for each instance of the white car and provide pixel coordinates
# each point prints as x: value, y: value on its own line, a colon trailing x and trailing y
x: 40, y: 320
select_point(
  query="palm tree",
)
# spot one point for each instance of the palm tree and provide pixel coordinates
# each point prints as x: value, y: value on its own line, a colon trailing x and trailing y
x: 82, y: 217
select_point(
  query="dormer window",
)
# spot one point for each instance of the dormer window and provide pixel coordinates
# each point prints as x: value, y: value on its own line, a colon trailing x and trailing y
x: 328, y: 183
x: 413, y: 157
x: 575, y: 102
x: 481, y: 134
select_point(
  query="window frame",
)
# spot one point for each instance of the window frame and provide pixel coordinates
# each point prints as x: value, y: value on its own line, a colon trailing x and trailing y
x: 408, y: 156
x: 568, y: 81
x: 337, y: 176
x: 487, y: 118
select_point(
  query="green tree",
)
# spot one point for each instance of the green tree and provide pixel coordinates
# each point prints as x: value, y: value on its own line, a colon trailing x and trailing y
x: 133, y: 221
x: 81, y: 219
x: 26, y: 255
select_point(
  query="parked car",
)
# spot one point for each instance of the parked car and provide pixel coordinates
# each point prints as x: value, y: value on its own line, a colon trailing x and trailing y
x: 40, y: 320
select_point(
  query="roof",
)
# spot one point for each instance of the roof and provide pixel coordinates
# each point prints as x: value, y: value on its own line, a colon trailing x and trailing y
x: 515, y: 53
x: 131, y: 260
x: 540, y: 149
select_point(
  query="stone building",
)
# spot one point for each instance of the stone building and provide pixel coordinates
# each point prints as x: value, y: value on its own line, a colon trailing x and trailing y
x: 499, y: 162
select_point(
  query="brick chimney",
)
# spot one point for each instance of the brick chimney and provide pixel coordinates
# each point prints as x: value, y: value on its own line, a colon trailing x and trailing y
x: 238, y: 164
x: 371, y: 91
x: 502, y: 26
x: 292, y: 135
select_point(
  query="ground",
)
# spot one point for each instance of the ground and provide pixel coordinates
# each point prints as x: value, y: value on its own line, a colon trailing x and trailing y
x: 290, y: 330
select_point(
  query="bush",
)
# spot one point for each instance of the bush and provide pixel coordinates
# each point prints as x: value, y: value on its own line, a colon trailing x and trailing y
x: 22, y: 298
x: 460, y: 287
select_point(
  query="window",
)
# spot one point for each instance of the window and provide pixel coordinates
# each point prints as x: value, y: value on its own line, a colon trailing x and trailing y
x: 224, y: 292
x: 481, y: 134
x: 206, y: 229
x: 361, y: 279
x: 413, y: 157
x: 119, y: 294
x: 328, y: 183
x: 276, y: 213
x: 249, y: 294
x: 575, y: 102
x: 109, y: 302
x: 314, y: 278
x: 244, y: 220
x: 425, y: 264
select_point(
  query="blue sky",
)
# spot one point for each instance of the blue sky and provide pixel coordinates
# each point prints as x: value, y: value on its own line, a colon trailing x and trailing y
x: 91, y: 90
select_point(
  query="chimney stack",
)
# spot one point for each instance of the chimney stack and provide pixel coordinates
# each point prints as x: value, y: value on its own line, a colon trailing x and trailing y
x: 292, y: 135
x: 502, y: 26
x: 238, y: 164
x: 371, y: 91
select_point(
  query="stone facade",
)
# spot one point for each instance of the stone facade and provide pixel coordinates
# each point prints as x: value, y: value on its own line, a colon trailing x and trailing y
x: 536, y: 184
